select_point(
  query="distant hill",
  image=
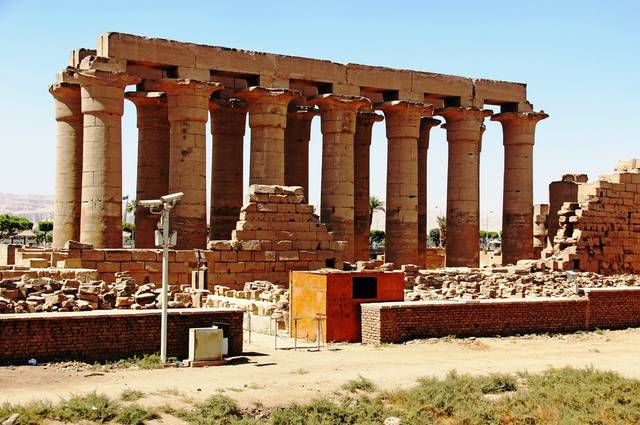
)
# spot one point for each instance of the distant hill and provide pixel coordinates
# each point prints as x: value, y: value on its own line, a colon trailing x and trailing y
x: 33, y: 207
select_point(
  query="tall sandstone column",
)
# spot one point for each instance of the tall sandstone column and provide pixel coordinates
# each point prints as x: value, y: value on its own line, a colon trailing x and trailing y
x: 338, y: 125
x: 67, y: 206
x: 464, y: 132
x: 268, y: 120
x: 361, y: 159
x: 296, y: 147
x: 228, y: 122
x: 153, y: 159
x: 401, y: 227
x: 426, y: 124
x: 102, y: 105
x: 518, y: 130
x: 188, y: 110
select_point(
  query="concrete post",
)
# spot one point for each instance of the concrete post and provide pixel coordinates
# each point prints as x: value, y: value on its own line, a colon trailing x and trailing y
x: 67, y: 205
x: 464, y: 131
x: 518, y: 130
x: 188, y: 110
x: 268, y: 120
x: 152, y: 179
x: 401, y: 226
x: 296, y: 147
x: 362, y: 214
x: 426, y: 124
x: 102, y: 95
x: 228, y: 122
x: 338, y: 124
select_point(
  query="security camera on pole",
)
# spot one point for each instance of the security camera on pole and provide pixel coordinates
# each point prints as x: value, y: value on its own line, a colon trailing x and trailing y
x: 163, y: 207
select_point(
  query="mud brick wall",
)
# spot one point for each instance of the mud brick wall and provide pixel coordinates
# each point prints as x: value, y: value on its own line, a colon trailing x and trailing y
x: 106, y: 335
x: 601, y: 308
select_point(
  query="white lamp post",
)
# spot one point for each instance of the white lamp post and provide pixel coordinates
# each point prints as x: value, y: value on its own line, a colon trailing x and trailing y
x: 163, y: 207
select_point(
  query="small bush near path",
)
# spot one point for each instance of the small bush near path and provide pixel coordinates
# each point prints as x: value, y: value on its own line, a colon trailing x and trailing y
x: 360, y: 384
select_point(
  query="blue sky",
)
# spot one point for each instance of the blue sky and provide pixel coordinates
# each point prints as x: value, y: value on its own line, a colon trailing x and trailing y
x: 580, y: 59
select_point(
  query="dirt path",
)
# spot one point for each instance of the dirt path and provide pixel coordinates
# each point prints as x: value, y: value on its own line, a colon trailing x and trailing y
x: 279, y: 377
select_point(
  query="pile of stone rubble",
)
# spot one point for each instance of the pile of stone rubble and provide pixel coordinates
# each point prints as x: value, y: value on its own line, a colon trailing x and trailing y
x: 259, y: 297
x: 463, y: 283
x: 31, y: 295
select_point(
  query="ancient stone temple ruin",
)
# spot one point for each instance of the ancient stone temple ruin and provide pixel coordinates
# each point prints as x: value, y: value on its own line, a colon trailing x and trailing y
x: 176, y: 87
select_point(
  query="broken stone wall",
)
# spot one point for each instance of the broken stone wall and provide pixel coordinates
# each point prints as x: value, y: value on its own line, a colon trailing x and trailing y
x: 277, y: 232
x: 565, y: 190
x: 601, y: 232
x: 540, y: 217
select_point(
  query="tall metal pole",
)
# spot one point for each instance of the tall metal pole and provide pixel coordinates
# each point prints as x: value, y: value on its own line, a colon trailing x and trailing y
x: 165, y: 284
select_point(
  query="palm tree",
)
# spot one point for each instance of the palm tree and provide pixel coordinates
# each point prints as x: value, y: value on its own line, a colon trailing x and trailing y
x: 442, y: 225
x: 375, y: 204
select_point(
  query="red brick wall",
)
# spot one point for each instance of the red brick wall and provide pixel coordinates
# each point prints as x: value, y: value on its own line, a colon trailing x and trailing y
x: 106, y: 335
x: 601, y: 308
x: 613, y: 308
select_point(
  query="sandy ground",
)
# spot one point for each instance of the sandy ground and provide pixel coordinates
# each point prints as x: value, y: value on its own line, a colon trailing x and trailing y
x: 276, y: 377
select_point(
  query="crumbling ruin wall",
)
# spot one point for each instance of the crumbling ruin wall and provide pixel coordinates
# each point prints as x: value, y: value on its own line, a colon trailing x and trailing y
x: 540, y: 217
x: 601, y: 232
x: 564, y: 190
x: 611, y: 308
x: 276, y: 233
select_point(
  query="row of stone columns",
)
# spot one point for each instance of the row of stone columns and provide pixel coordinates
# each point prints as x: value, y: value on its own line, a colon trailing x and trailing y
x: 171, y: 157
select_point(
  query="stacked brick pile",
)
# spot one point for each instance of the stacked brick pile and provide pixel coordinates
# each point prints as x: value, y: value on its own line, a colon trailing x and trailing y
x: 601, y: 232
x: 276, y: 233
x: 33, y: 295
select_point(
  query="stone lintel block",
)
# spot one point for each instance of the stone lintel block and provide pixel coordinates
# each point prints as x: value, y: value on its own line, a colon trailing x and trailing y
x: 118, y: 255
x: 220, y: 245
x: 263, y: 189
x: 93, y: 255
x: 101, y: 63
x: 144, y: 254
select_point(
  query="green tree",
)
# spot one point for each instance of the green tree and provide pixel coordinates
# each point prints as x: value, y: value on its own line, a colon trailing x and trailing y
x: 375, y: 204
x: 43, y: 232
x: 376, y: 237
x: 128, y: 227
x: 434, y: 236
x: 131, y: 205
x: 442, y: 227
x: 489, y: 234
x: 11, y: 224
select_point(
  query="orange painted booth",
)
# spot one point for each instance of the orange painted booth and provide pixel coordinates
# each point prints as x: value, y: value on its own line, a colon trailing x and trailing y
x: 335, y: 297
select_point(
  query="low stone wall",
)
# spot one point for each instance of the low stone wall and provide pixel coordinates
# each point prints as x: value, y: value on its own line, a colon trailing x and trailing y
x: 107, y: 335
x: 601, y: 308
